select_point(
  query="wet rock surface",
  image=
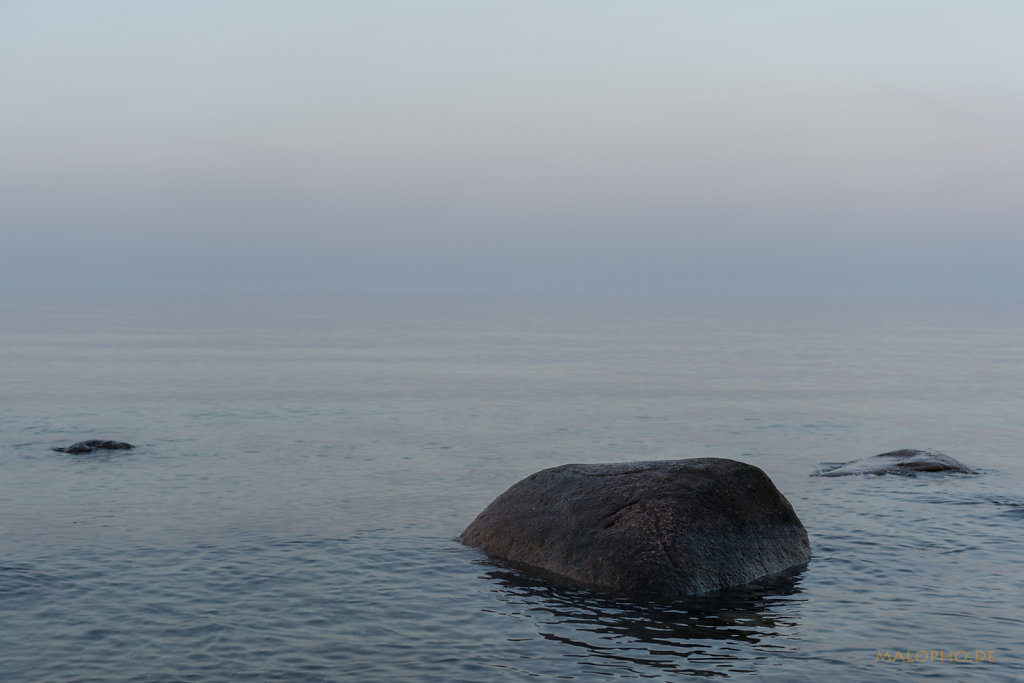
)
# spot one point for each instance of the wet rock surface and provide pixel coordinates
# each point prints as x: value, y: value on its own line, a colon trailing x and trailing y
x: 659, y: 530
x: 93, y: 445
x: 905, y: 462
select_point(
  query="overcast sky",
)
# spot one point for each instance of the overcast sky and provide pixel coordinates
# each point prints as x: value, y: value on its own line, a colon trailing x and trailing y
x: 657, y: 145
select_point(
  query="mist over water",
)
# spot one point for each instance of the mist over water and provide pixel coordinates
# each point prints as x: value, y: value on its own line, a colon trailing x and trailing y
x: 305, y: 464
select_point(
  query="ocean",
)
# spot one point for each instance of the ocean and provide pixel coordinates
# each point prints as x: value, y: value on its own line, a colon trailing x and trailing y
x: 306, y: 462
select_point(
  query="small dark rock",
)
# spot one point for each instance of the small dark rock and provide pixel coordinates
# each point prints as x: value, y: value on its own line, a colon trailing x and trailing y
x: 663, y: 530
x: 93, y: 445
x: 906, y: 462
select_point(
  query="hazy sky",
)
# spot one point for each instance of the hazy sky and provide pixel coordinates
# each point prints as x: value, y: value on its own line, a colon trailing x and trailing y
x: 875, y: 145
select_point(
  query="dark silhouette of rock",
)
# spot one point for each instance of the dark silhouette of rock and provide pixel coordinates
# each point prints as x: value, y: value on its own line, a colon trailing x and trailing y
x: 93, y: 445
x: 906, y: 462
x: 663, y: 529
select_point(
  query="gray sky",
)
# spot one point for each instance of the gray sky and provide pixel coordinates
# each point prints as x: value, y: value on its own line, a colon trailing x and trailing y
x: 665, y: 145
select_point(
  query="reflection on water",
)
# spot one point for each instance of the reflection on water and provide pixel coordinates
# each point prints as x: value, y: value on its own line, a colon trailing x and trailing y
x: 304, y: 466
x: 709, y: 635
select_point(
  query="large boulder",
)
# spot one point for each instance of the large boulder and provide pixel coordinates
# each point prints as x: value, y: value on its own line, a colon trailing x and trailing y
x: 906, y: 462
x: 663, y: 530
x: 93, y: 445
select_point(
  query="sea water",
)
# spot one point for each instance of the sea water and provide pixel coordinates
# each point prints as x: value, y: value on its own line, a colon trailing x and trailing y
x: 305, y: 464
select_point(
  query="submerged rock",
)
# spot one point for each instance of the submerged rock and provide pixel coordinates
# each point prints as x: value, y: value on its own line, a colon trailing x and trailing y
x: 93, y: 445
x: 906, y: 462
x: 663, y: 529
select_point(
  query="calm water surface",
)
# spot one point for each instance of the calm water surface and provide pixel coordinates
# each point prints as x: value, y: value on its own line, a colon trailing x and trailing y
x: 306, y: 463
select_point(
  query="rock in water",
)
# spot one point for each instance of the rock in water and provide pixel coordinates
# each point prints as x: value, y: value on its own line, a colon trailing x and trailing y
x: 907, y: 462
x: 663, y: 529
x: 93, y: 445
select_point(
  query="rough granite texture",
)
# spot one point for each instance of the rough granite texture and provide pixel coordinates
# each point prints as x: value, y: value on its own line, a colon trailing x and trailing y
x: 661, y: 529
x: 907, y: 462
